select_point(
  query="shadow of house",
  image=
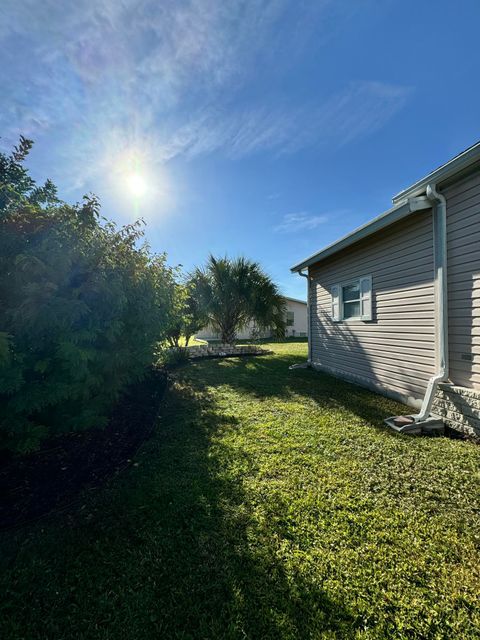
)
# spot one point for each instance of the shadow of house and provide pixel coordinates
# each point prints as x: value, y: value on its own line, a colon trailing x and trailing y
x: 384, y: 367
x: 267, y: 378
x: 392, y: 352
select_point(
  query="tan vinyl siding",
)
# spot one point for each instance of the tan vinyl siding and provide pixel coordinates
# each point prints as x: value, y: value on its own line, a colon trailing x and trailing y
x: 395, y: 352
x: 463, y: 228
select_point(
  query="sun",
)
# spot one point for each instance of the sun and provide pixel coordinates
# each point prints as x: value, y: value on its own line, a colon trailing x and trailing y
x: 137, y: 181
x: 137, y: 185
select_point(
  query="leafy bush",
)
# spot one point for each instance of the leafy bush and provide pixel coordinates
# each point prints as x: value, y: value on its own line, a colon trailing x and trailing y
x: 171, y: 357
x: 82, y: 306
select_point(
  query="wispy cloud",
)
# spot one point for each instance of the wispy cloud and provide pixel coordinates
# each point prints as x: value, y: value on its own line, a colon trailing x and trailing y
x: 360, y: 109
x: 300, y: 221
x: 353, y: 113
x: 164, y: 77
x: 140, y: 58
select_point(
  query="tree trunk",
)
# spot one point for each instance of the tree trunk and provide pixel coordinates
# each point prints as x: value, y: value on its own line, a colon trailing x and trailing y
x: 229, y: 335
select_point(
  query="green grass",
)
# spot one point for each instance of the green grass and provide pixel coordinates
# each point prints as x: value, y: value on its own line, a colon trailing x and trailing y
x: 262, y: 341
x: 269, y: 504
x: 192, y: 342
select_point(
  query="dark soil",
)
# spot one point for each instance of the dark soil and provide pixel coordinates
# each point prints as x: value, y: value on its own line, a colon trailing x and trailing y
x: 51, y: 479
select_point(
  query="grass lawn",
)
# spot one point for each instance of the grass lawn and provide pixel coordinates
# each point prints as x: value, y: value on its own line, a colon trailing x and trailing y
x: 192, y: 342
x: 269, y: 504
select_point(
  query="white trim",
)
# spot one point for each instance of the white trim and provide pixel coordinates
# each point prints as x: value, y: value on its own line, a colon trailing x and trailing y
x: 340, y: 317
x: 295, y: 300
x: 336, y: 302
x: 309, y: 313
x: 457, y: 164
x: 366, y: 299
x: 347, y: 283
x: 405, y: 202
x: 380, y: 222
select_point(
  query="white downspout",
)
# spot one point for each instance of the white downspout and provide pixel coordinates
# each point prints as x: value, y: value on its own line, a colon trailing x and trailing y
x: 441, y: 299
x: 309, y: 318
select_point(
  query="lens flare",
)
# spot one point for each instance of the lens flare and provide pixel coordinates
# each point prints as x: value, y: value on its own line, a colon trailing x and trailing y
x: 137, y: 185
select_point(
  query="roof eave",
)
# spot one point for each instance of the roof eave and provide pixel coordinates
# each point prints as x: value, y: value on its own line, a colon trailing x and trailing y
x: 461, y: 164
x: 456, y: 165
x: 385, y: 219
x: 295, y: 300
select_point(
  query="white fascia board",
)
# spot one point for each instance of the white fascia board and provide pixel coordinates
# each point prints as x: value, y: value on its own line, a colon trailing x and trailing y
x: 447, y: 170
x: 294, y: 300
x: 377, y: 224
x: 402, y: 205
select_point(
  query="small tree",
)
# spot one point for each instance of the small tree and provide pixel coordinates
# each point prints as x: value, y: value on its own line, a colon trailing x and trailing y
x: 232, y: 293
x: 195, y: 317
x: 176, y: 305
x: 186, y: 314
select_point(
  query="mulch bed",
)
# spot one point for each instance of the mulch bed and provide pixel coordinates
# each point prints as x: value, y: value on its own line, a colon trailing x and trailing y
x: 51, y: 479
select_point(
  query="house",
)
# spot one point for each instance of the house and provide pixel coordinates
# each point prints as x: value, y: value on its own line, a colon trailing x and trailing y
x: 395, y: 304
x: 296, y: 324
x: 296, y: 318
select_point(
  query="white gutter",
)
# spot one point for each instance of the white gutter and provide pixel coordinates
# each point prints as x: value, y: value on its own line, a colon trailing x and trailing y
x: 441, y: 299
x: 456, y: 165
x: 398, y: 212
x: 431, y: 199
x: 309, y: 317
x: 424, y: 421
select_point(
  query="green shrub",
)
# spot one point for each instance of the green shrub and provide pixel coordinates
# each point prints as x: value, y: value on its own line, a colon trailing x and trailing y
x: 82, y: 306
x: 171, y: 357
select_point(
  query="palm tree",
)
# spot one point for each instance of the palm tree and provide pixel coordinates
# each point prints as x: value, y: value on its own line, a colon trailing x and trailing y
x: 233, y: 293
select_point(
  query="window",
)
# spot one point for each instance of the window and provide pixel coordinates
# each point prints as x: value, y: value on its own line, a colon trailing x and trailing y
x: 290, y: 318
x: 352, y: 300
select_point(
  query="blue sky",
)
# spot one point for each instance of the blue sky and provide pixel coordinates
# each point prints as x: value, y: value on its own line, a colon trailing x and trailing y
x: 267, y: 128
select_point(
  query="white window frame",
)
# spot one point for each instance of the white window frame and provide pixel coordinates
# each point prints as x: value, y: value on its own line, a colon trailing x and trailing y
x: 365, y: 291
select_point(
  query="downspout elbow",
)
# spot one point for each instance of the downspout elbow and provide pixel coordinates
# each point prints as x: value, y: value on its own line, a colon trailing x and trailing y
x: 413, y: 423
x: 441, y: 301
x: 309, y: 317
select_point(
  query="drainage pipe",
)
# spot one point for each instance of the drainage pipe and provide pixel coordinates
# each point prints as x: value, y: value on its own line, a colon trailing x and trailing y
x: 309, y: 318
x: 441, y: 300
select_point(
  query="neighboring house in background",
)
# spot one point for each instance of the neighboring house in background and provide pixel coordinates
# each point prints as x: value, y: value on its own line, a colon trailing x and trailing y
x: 395, y: 305
x: 296, y: 318
x: 296, y: 324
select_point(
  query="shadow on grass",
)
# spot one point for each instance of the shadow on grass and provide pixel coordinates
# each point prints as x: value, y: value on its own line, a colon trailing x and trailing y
x: 174, y: 550
x: 270, y: 377
x: 225, y: 575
